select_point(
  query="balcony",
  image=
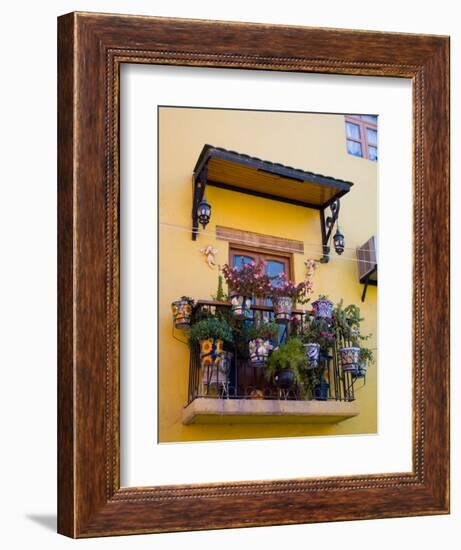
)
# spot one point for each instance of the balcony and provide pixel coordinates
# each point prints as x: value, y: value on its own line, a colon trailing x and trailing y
x: 237, y: 392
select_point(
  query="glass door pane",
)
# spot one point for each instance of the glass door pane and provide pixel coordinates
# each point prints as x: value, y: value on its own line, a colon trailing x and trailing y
x: 273, y: 268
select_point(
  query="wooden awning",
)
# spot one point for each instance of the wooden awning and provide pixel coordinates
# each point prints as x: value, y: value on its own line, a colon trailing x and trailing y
x: 245, y: 174
x: 367, y: 261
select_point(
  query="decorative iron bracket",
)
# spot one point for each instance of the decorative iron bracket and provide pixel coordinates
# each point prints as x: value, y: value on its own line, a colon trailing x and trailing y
x: 199, y: 184
x: 326, y: 226
x: 367, y: 281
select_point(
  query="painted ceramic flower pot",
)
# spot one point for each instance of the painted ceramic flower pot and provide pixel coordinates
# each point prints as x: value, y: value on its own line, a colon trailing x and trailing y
x: 182, y: 311
x: 283, y: 307
x: 323, y: 309
x: 321, y: 391
x: 241, y: 306
x: 216, y: 376
x: 349, y: 358
x: 259, y: 349
x: 312, y: 353
x: 211, y: 351
x: 284, y: 379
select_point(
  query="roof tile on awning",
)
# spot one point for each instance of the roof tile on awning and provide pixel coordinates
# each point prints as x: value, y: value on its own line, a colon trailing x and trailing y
x: 243, y: 173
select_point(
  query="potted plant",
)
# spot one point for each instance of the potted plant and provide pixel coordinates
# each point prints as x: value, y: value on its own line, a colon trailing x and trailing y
x: 347, y: 321
x: 350, y: 356
x: 220, y: 295
x: 321, y: 390
x: 210, y: 334
x: 245, y: 282
x: 312, y: 350
x: 323, y: 307
x: 182, y: 312
x: 318, y: 337
x: 366, y: 359
x: 215, y: 378
x: 285, y: 294
x: 318, y: 331
x: 260, y: 342
x: 287, y: 365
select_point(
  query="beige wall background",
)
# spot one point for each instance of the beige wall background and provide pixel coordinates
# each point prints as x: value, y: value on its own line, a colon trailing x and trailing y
x: 313, y: 142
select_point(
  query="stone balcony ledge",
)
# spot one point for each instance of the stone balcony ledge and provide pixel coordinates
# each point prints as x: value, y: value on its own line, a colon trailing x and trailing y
x: 267, y: 411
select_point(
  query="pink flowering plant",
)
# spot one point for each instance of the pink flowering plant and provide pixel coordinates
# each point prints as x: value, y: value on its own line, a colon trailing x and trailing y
x: 320, y: 330
x: 247, y: 280
x: 281, y: 287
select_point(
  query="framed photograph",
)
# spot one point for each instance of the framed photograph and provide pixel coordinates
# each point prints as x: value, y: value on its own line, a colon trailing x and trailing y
x: 228, y: 194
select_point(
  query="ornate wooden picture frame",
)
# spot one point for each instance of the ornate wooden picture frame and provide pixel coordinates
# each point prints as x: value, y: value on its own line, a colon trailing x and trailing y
x: 92, y: 48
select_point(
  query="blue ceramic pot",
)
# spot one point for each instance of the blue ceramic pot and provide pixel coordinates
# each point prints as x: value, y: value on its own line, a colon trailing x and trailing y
x: 241, y: 306
x: 312, y: 353
x: 323, y: 309
x: 350, y: 358
x: 321, y: 391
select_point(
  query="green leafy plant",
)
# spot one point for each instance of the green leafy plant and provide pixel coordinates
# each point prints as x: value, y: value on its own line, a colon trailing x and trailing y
x: 267, y: 331
x: 347, y: 322
x: 367, y: 357
x: 211, y: 327
x: 290, y: 355
x: 220, y: 295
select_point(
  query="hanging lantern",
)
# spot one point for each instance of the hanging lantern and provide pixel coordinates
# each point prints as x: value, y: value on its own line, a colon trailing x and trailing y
x: 204, y: 212
x: 338, y: 240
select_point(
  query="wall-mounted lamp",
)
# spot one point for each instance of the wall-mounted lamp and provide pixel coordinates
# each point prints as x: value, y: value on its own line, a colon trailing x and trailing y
x: 204, y: 212
x: 338, y: 240
x: 327, y: 225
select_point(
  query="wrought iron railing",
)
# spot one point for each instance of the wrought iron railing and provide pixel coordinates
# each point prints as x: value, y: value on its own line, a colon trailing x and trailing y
x: 236, y: 378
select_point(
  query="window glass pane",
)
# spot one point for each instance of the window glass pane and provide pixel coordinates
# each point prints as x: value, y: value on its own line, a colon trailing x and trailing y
x: 240, y: 260
x: 352, y: 130
x: 370, y: 118
x: 274, y: 267
x: 372, y: 153
x: 372, y: 137
x: 354, y: 148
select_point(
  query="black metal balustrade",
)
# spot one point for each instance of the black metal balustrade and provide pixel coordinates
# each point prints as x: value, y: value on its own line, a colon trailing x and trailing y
x: 236, y: 378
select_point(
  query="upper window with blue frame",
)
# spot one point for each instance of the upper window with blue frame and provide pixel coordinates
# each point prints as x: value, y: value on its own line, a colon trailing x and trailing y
x: 362, y: 136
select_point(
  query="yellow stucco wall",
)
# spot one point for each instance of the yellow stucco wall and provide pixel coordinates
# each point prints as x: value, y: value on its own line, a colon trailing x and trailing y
x: 308, y: 141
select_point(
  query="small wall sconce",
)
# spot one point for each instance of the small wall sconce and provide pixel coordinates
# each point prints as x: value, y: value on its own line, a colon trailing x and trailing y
x: 204, y: 212
x: 338, y: 241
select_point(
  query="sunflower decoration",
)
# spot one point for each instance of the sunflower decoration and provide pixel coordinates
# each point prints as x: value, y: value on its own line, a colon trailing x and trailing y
x: 206, y: 346
x: 182, y: 312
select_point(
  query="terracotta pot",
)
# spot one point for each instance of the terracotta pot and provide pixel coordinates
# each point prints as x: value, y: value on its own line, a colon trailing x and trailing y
x: 182, y: 312
x: 323, y: 309
x: 211, y: 351
x: 259, y: 349
x: 312, y: 353
x: 283, y: 307
x: 349, y: 358
x: 241, y: 306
